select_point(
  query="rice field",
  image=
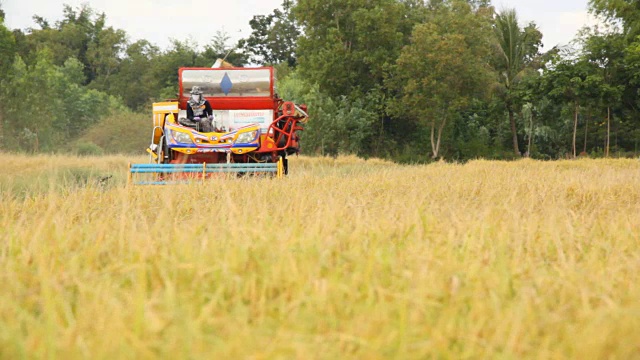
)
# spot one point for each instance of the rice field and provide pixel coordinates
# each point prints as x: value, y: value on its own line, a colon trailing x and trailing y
x: 343, y: 259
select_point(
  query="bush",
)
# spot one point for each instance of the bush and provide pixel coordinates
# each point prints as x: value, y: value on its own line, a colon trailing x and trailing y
x: 123, y: 132
x: 87, y: 148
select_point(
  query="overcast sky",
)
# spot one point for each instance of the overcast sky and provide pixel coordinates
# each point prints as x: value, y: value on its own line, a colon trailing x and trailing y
x: 160, y: 20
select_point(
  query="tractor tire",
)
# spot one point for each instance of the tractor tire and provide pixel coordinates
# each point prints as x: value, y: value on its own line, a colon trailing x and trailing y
x: 285, y: 165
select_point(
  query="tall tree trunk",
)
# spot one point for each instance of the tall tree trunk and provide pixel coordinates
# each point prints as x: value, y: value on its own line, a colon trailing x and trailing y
x: 514, y: 131
x: 36, y: 142
x: 1, y: 125
x: 606, y: 148
x: 530, y: 136
x: 575, y: 129
x: 615, y: 144
x: 434, y: 151
x: 586, y: 131
x: 381, y: 138
x: 440, y: 129
x: 435, y: 142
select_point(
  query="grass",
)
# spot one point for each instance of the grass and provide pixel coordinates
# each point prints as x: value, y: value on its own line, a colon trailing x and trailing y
x: 345, y: 258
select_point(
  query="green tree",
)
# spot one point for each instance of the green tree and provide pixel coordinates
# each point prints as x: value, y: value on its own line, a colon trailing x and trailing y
x: 7, y: 54
x: 219, y: 48
x: 626, y: 12
x: 29, y: 87
x: 274, y: 37
x: 570, y: 82
x: 165, y: 69
x: 516, y: 50
x: 444, y: 69
x: 347, y: 49
x: 47, y: 105
x: 606, y: 54
x: 136, y: 82
x: 81, y: 34
x: 7, y: 49
x: 347, y: 44
x: 104, y: 52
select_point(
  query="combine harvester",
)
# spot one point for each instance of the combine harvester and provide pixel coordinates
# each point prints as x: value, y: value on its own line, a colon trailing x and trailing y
x: 253, y: 129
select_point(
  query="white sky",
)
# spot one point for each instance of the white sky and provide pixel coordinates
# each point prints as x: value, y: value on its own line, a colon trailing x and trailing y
x: 160, y: 20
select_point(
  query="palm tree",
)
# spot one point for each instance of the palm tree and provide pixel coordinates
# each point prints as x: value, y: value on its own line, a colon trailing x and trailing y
x: 516, y: 49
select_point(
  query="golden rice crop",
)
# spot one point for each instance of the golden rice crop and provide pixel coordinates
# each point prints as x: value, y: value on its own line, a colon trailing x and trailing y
x: 344, y: 258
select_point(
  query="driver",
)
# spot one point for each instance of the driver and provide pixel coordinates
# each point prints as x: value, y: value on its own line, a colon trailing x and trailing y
x: 199, y: 110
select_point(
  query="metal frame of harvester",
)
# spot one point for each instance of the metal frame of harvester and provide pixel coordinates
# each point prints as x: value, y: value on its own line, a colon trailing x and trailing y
x: 255, y: 129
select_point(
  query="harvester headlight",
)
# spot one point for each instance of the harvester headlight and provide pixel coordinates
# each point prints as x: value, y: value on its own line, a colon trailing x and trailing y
x: 246, y: 137
x: 181, y: 137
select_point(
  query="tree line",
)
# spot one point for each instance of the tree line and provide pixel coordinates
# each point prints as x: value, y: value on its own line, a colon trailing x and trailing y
x: 409, y: 80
